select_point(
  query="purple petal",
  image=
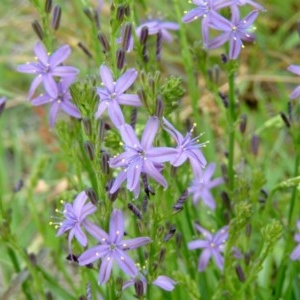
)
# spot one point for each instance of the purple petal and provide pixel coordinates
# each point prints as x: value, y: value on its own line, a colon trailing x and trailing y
x: 70, y: 109
x: 35, y: 83
x: 220, y: 23
x: 208, y: 199
x: 65, y: 71
x: 28, y: 68
x: 101, y: 109
x: 204, y: 232
x: 166, y: 36
x: 135, y: 243
x: 50, y: 86
x: 150, y: 169
x: 41, y: 99
x: 197, y: 244
x: 205, y: 31
x: 118, y: 182
x: 248, y: 20
x: 203, y: 259
x: 80, y: 236
x: 209, y: 172
x: 128, y: 136
x: 218, y: 41
x: 93, y: 254
x: 125, y: 81
x: 193, y: 14
x: 41, y: 53
x: 235, y: 47
x: 129, y: 99
x: 164, y: 282
x: 87, y: 210
x: 107, y: 79
x: 125, y: 263
x: 149, y: 132
x: 115, y: 113
x: 116, y: 227
x: 79, y: 203
x: 172, y: 131
x: 296, y: 253
x: 294, y: 69
x: 95, y: 231
x: 169, y: 25
x: 161, y: 154
x: 221, y: 236
x: 180, y: 159
x: 105, y: 269
x: 218, y: 258
x: 60, y: 55
x: 54, y: 108
x: 216, y: 182
x: 134, y: 173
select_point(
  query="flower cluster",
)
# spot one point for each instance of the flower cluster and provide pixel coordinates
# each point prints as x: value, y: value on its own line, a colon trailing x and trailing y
x: 55, y: 78
x: 234, y: 31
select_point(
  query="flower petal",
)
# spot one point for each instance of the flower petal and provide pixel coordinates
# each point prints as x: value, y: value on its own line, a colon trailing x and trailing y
x: 70, y: 109
x: 193, y: 15
x: 116, y: 227
x: 129, y: 99
x: 203, y: 259
x: 28, y: 68
x: 135, y: 243
x: 103, y: 105
x: 125, y: 81
x: 80, y: 236
x: 107, y: 79
x: 41, y: 99
x: 95, y: 231
x: 59, y: 55
x: 93, y: 254
x: 125, y: 262
x: 65, y: 71
x: 41, y: 53
x: 164, y: 282
x: 50, y: 86
x: 115, y: 113
x: 149, y: 132
x: 35, y: 83
x: 54, y: 108
x: 129, y: 137
x: 105, y: 269
x: 197, y: 244
x: 150, y: 169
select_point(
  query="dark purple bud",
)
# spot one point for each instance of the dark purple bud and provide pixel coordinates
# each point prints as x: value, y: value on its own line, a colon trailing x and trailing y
x: 248, y: 229
x: 139, y: 288
x: 127, y: 11
x: 226, y: 216
x: 32, y: 259
x: 89, y: 149
x: 85, y: 50
x: 104, y: 162
x: 178, y: 206
x: 82, y: 298
x: 2, y: 105
x: 240, y: 273
x: 101, y: 131
x: 48, y: 6
x: 18, y: 186
x: 144, y: 35
x: 159, y: 39
x: 134, y: 210
x: 89, y: 294
x: 133, y: 117
x: 154, y: 266
x: 226, y: 200
x: 170, y: 233
x: 112, y: 196
x: 87, y: 126
x: 96, y: 18
x: 56, y: 17
x: 120, y: 54
x: 147, y: 188
x: 224, y: 58
x: 248, y: 256
x: 142, y: 96
x: 162, y: 254
x: 104, y: 42
x: 178, y: 238
x: 224, y: 99
x: 120, y: 13
x: 91, y: 195
x: 264, y: 193
x: 145, y: 204
x: 89, y: 13
x: 49, y: 296
x: 72, y: 257
x: 255, y: 144
x: 285, y: 119
x: 243, y: 123
x: 159, y: 110
x: 126, y: 36
x: 38, y: 29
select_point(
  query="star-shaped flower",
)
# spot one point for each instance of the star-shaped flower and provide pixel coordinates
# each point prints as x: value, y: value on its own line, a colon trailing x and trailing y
x: 61, y: 101
x: 140, y: 157
x: 212, y: 245
x: 235, y: 31
x: 187, y: 148
x: 296, y: 70
x: 296, y: 252
x: 113, y: 248
x: 75, y: 217
x: 46, y: 67
x: 202, y: 184
x: 112, y: 94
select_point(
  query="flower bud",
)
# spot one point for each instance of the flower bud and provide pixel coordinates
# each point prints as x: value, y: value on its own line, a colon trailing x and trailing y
x: 56, y: 17
x: 126, y: 36
x: 120, y: 54
x: 87, y: 126
x: 89, y: 150
x: 85, y: 50
x: 134, y: 210
x: 38, y: 29
x: 243, y: 123
x: 91, y: 195
x: 48, y: 6
x: 104, y: 42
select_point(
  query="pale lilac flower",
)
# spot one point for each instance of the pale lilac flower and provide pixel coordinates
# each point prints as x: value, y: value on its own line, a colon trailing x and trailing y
x: 112, y: 94
x: 187, y: 148
x: 75, y: 217
x: 296, y: 70
x: 235, y: 31
x: 61, y: 101
x: 212, y: 245
x: 154, y: 27
x: 296, y: 252
x: 164, y: 282
x: 140, y: 157
x: 202, y: 184
x: 113, y: 248
x: 46, y: 67
x: 250, y: 2
x: 207, y: 10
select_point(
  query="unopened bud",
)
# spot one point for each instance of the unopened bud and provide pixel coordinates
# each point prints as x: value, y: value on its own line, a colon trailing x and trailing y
x: 134, y: 210
x: 120, y: 54
x: 224, y: 99
x: 104, y: 42
x: 96, y: 18
x: 159, y: 111
x: 127, y: 11
x: 101, y: 131
x: 89, y: 149
x: 32, y: 259
x: 18, y: 186
x: 120, y: 13
x: 49, y: 296
x: 142, y: 96
x: 48, y: 6
x: 56, y: 17
x: 89, y: 13
x: 104, y: 162
x: 224, y: 58
x: 119, y: 284
x: 133, y: 117
x: 159, y: 39
x: 240, y: 273
x: 243, y: 123
x: 255, y: 144
x: 2, y: 104
x: 290, y: 111
x: 38, y: 29
x: 139, y: 288
x: 89, y: 294
x: 87, y: 126
x: 162, y: 254
x: 179, y: 204
x: 144, y: 35
x: 91, y: 195
x: 285, y: 119
x: 178, y: 239
x: 214, y: 74
x: 226, y: 200
x: 126, y: 36
x: 145, y: 204
x: 85, y: 49
x: 170, y: 233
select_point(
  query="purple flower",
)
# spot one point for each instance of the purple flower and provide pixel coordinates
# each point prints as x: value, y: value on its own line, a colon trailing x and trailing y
x: 61, y: 101
x: 201, y: 185
x: 2, y: 104
x: 162, y: 281
x: 212, y: 245
x: 250, y: 2
x: 296, y: 70
x: 112, y: 94
x: 207, y: 10
x: 46, y: 67
x: 140, y: 157
x: 75, y: 216
x: 154, y: 26
x: 296, y: 252
x: 187, y: 148
x: 113, y: 248
x: 235, y: 31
